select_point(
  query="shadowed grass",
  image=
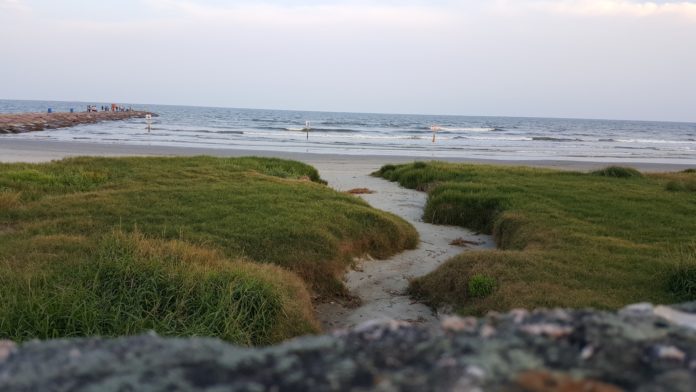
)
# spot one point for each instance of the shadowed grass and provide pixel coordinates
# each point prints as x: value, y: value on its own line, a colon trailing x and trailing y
x: 596, y: 239
x: 182, y: 225
x: 681, y: 276
x: 9, y: 199
x: 127, y: 284
x: 618, y: 172
x: 682, y: 185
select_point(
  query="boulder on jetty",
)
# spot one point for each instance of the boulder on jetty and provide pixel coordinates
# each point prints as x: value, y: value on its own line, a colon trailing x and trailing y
x: 29, y: 122
x: 641, y: 348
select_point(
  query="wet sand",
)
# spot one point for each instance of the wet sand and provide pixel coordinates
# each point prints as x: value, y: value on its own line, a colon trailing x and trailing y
x: 22, y: 150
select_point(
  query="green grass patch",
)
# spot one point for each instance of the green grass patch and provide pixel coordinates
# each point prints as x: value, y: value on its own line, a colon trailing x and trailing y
x: 233, y: 248
x: 681, y: 276
x: 480, y: 286
x: 127, y: 284
x: 618, y: 172
x: 599, y: 239
x: 681, y: 185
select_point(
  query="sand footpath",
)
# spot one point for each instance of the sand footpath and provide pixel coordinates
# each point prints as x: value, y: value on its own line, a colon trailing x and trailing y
x: 381, y: 284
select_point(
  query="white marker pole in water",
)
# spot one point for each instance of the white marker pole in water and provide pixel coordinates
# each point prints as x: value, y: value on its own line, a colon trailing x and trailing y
x: 148, y: 118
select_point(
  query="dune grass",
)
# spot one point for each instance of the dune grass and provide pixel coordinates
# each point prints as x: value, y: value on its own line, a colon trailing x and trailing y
x: 130, y: 284
x: 681, y: 275
x: 602, y: 239
x: 232, y: 248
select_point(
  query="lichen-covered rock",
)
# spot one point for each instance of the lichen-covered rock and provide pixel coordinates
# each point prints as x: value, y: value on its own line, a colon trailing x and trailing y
x: 575, y: 350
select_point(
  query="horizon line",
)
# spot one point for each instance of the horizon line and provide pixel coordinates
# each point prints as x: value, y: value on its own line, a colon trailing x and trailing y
x: 359, y: 112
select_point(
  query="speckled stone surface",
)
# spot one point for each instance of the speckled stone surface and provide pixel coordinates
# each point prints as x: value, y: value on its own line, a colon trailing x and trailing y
x: 634, y: 349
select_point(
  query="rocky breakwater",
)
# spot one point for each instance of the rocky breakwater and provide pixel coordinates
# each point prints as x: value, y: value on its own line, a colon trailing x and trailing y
x: 28, y: 122
x: 640, y: 348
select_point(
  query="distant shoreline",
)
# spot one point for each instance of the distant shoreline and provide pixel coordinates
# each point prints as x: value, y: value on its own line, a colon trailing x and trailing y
x: 396, y: 113
x: 20, y: 150
x: 457, y: 138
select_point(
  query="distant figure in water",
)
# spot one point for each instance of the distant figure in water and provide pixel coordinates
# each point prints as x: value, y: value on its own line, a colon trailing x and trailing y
x: 434, y: 128
x: 307, y: 127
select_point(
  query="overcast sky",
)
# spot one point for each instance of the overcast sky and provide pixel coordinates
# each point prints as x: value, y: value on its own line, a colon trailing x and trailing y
x: 618, y: 59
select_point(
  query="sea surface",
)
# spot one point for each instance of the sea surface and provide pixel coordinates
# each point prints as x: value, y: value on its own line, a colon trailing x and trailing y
x: 507, y: 138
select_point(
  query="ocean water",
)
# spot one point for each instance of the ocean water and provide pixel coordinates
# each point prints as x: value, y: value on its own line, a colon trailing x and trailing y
x: 382, y: 134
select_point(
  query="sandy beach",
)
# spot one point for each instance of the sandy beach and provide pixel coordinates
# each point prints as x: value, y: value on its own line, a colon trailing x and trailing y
x: 18, y: 150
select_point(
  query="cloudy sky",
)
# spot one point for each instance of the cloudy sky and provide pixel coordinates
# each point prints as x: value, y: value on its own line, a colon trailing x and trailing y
x: 619, y: 59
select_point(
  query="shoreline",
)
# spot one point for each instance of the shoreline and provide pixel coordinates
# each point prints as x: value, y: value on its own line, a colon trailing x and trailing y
x: 36, y: 151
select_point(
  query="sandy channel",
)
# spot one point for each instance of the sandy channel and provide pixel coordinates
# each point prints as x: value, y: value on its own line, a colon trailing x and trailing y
x: 381, y: 284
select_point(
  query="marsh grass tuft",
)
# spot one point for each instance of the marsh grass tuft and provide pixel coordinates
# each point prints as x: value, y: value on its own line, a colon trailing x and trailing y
x: 9, y: 199
x: 681, y: 276
x: 464, y: 205
x: 618, y: 172
x: 384, y: 170
x: 681, y: 185
x: 129, y: 284
x: 204, y: 246
x: 564, y: 238
x: 480, y: 286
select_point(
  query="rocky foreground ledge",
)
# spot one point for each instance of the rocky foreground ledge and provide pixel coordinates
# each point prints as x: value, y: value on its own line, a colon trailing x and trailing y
x: 28, y: 122
x: 641, y: 348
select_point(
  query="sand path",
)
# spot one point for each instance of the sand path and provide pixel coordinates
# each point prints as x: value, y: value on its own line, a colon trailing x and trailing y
x: 381, y: 284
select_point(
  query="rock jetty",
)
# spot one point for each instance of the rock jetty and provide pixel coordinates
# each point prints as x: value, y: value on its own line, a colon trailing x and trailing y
x: 28, y: 122
x: 640, y: 348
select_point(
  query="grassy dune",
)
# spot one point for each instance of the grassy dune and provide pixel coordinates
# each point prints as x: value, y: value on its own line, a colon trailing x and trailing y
x: 233, y: 248
x: 601, y: 239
